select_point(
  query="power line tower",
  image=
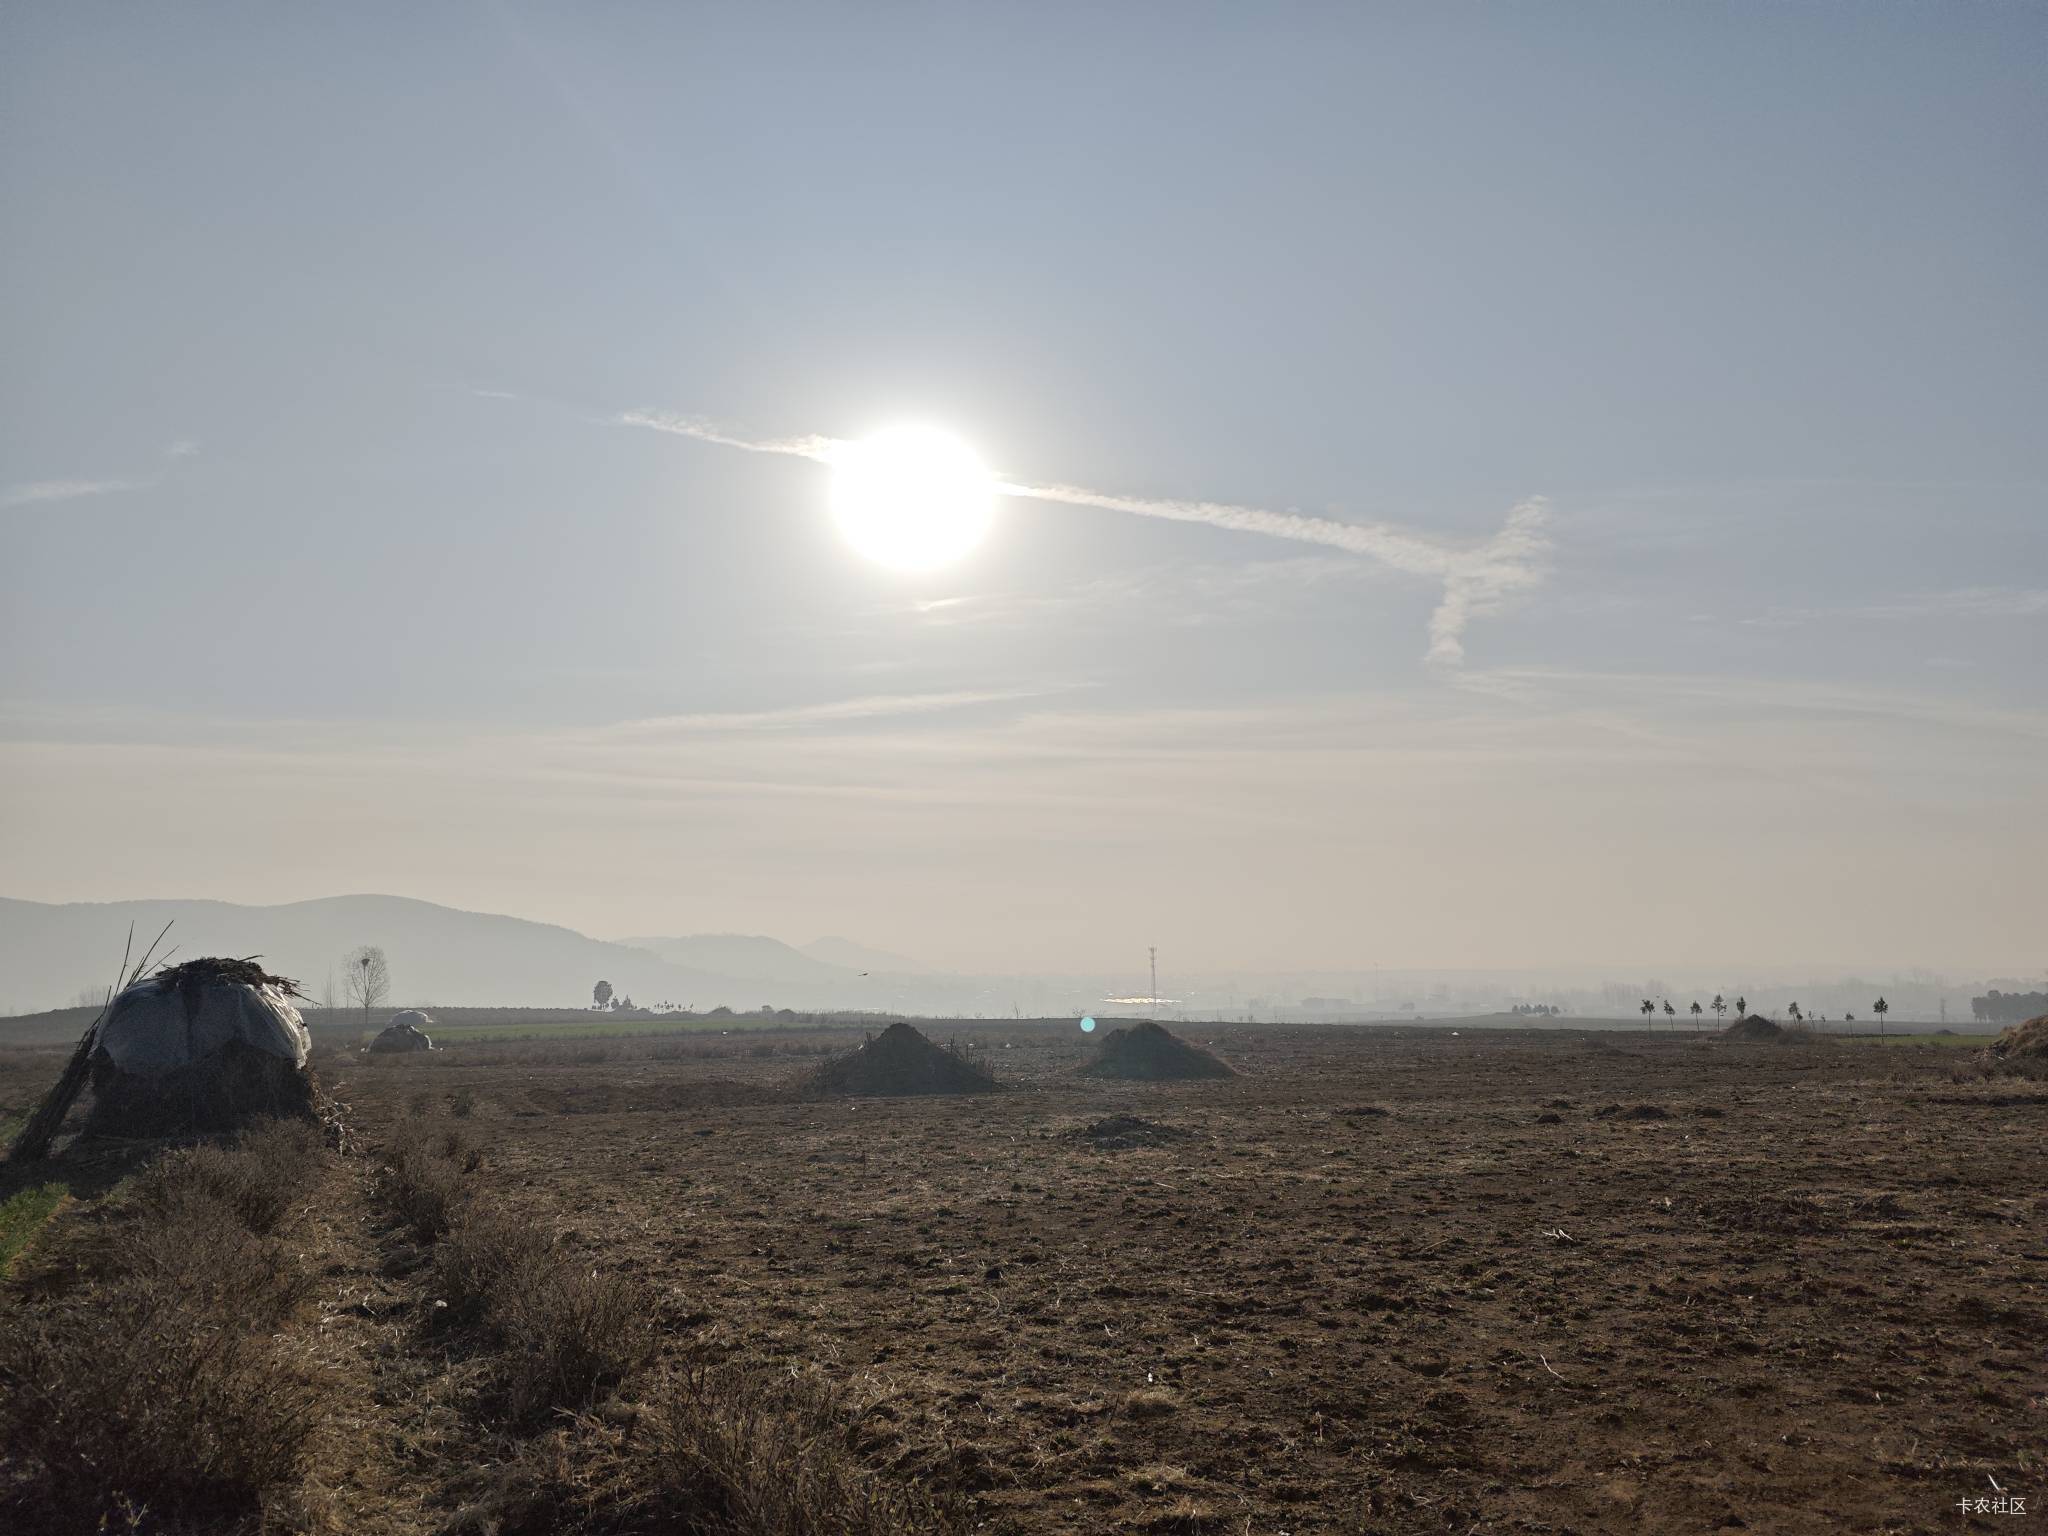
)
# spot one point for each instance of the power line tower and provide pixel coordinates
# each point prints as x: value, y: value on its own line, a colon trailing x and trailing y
x: 1153, y: 951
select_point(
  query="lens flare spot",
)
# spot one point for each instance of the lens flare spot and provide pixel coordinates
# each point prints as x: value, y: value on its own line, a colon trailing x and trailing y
x: 1088, y: 1026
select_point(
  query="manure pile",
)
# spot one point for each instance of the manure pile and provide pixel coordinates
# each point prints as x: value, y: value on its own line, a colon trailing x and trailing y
x: 897, y: 1062
x: 2020, y: 1042
x: 1754, y: 1028
x: 1149, y: 1053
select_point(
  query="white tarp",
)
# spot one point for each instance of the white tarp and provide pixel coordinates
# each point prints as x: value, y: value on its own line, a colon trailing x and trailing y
x: 147, y: 1032
x: 411, y: 1018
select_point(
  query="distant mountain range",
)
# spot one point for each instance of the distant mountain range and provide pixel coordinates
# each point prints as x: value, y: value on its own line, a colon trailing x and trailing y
x: 858, y: 957
x: 50, y: 954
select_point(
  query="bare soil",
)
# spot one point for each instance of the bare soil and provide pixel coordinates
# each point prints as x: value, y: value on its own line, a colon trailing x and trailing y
x: 1378, y: 1281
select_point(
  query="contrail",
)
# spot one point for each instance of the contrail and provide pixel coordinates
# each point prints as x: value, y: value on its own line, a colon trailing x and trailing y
x: 1477, y: 579
x: 819, y: 448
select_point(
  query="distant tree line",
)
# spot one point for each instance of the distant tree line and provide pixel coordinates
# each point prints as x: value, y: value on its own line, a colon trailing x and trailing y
x: 1997, y: 1007
x: 1537, y: 1010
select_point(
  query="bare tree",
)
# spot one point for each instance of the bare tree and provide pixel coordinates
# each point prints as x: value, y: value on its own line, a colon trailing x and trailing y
x: 1695, y: 1013
x: 1649, y: 1010
x: 368, y: 979
x: 1741, y: 1005
x: 1720, y: 1007
x: 1669, y: 1011
x: 1880, y: 1008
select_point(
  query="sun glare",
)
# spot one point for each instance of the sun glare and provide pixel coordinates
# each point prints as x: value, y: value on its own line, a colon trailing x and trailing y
x: 912, y: 498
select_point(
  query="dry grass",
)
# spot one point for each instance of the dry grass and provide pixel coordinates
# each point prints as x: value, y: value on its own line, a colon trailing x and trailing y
x: 154, y: 1383
x: 260, y: 1178
x: 720, y: 1451
x: 763, y: 1453
x: 556, y: 1334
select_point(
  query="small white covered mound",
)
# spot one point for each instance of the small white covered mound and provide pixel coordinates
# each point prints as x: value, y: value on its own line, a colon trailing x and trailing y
x: 407, y: 1031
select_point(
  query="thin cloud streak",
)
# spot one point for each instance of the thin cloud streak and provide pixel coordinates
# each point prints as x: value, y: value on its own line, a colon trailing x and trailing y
x: 33, y: 492
x: 1477, y: 579
x: 838, y: 712
x: 1963, y: 602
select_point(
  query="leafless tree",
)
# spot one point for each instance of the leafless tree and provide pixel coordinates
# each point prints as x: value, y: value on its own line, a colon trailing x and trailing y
x: 368, y: 978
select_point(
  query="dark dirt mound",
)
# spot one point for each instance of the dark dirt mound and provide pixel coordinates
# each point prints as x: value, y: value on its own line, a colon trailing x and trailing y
x: 1362, y: 1112
x: 901, y: 1061
x: 1119, y: 1132
x: 1148, y: 1052
x: 1754, y: 1028
x: 2021, y: 1041
x: 1633, y: 1112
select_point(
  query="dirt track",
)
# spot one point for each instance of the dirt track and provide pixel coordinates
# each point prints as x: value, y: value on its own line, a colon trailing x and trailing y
x: 1780, y: 1288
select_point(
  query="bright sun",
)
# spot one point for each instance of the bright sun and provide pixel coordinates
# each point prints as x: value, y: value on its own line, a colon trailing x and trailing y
x: 913, y: 498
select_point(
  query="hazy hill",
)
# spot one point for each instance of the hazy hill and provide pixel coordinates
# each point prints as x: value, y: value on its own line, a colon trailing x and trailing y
x: 859, y: 957
x: 437, y: 954
x: 745, y: 956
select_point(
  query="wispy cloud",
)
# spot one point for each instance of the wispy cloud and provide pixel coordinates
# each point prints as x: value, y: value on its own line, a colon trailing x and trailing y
x: 1961, y: 602
x: 1478, y: 579
x: 32, y: 492
x: 833, y: 712
x: 1783, y: 703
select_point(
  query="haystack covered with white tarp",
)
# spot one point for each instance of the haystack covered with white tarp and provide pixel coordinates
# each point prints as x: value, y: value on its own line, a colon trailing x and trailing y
x: 407, y: 1031
x: 201, y: 1046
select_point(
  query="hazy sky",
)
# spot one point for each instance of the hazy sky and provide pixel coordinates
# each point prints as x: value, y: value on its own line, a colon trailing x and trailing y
x: 330, y: 559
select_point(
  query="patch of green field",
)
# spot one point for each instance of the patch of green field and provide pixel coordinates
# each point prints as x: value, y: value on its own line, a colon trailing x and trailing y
x: 22, y: 1217
x: 600, y: 1028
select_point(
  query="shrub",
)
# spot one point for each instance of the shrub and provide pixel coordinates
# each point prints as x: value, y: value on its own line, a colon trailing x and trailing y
x: 422, y: 1177
x: 569, y: 1338
x: 561, y: 1333
x: 489, y: 1252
